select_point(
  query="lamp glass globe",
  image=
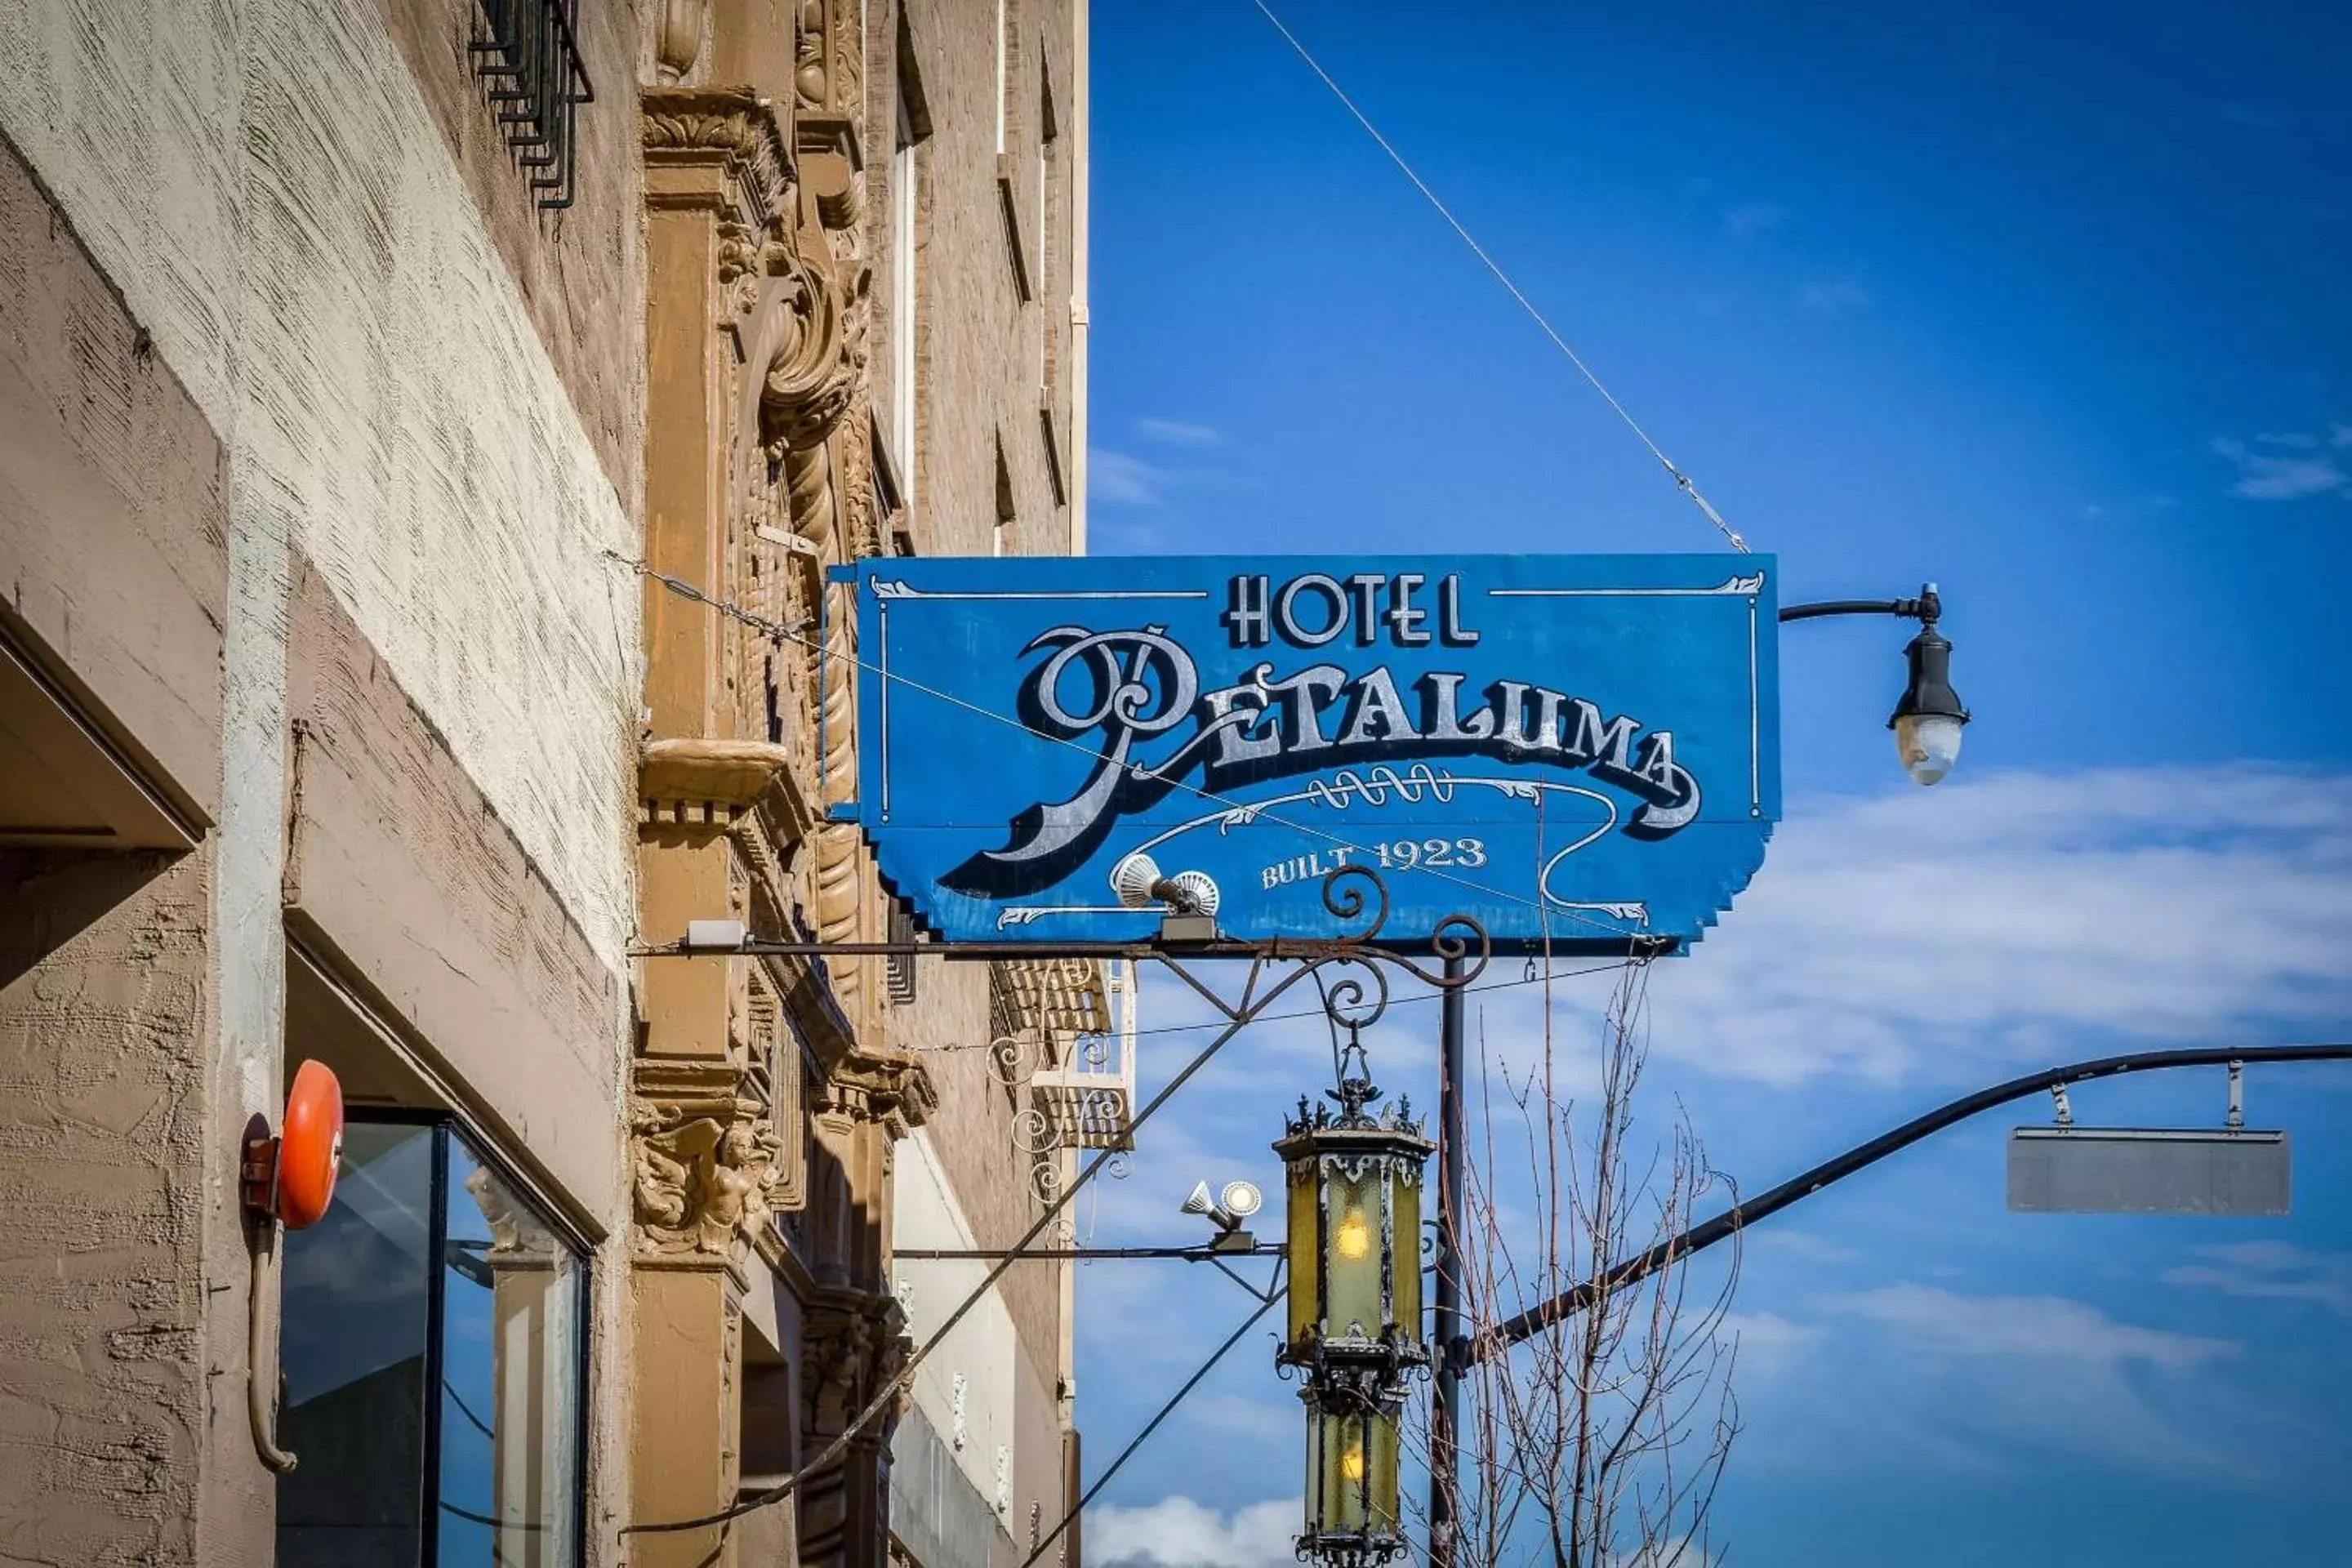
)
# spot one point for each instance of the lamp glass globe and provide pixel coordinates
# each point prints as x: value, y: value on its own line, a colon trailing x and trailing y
x: 1929, y: 744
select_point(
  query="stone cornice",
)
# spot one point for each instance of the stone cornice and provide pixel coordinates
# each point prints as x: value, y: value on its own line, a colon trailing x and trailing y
x: 735, y: 773
x: 719, y: 784
x: 730, y: 130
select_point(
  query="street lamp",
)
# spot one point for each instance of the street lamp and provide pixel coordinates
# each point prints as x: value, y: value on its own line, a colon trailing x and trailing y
x: 1354, y: 1186
x: 1926, y: 721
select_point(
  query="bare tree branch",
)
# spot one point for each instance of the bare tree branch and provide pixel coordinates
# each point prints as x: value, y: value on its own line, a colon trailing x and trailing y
x: 1600, y: 1442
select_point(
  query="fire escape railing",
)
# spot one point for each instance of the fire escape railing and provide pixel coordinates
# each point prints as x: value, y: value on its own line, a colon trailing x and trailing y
x: 532, y: 74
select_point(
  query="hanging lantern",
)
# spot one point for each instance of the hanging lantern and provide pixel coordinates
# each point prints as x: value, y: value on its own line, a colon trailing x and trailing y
x: 1354, y: 1186
x: 1352, y: 1463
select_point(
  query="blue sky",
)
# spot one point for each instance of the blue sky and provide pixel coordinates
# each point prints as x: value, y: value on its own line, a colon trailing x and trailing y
x: 2042, y: 303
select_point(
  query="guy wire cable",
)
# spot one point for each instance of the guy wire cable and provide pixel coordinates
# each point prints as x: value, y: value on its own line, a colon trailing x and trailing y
x: 1682, y: 480
x: 888, y: 1393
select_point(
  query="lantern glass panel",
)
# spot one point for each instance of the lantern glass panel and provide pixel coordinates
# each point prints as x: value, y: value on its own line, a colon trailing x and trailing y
x: 1339, y: 1462
x: 1306, y: 1248
x: 1357, y: 1240
x: 1406, y: 1196
x: 1382, y: 1467
x: 1353, y: 1455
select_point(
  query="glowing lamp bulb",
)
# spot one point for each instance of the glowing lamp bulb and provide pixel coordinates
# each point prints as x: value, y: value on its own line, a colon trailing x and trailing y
x: 1352, y: 1462
x: 1354, y: 1238
x: 1929, y: 744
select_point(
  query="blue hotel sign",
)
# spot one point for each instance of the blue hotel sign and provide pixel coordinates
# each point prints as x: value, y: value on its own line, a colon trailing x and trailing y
x: 1573, y: 749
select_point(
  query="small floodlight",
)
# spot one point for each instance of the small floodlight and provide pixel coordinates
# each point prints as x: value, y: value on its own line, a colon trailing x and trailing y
x: 1188, y: 896
x: 1226, y: 1211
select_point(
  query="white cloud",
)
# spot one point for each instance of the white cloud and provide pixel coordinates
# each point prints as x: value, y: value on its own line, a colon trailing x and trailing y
x: 1178, y: 1532
x: 1769, y: 1343
x: 1995, y: 1378
x: 2272, y: 1270
x: 2289, y: 465
x: 1236, y: 1415
x: 2023, y: 1328
x: 1117, y: 476
x: 1178, y: 431
x: 1801, y: 1243
x: 2005, y: 918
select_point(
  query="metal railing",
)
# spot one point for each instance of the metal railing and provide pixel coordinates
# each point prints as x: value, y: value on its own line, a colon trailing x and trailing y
x: 532, y: 76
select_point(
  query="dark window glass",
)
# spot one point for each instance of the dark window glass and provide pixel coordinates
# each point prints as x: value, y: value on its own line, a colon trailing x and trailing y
x: 357, y: 1321
x: 433, y: 1359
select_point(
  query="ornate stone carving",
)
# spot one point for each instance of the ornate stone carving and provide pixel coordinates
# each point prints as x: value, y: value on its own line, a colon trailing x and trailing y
x: 704, y: 1169
x: 853, y: 1344
x: 861, y: 527
x: 820, y: 363
x: 890, y: 1089
x: 679, y: 44
x: 828, y: 75
x: 731, y: 126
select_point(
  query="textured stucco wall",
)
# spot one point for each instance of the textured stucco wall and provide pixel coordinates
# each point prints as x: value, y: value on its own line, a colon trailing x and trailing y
x: 442, y: 420
x: 117, y: 1158
x: 113, y: 506
x: 251, y: 174
x: 104, y: 1037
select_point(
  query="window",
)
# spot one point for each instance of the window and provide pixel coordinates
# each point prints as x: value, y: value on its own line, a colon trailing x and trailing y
x: 1049, y: 131
x: 434, y: 1332
x: 905, y: 174
x: 1004, y: 79
x: 1006, y: 511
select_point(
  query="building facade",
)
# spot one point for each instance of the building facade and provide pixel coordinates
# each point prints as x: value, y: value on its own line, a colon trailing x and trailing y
x: 364, y: 370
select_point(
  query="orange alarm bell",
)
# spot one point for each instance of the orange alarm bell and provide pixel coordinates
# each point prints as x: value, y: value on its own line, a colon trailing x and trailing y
x: 292, y: 1177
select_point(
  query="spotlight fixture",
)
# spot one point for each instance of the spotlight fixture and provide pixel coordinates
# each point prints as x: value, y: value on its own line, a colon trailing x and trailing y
x: 1190, y: 897
x: 1226, y: 1211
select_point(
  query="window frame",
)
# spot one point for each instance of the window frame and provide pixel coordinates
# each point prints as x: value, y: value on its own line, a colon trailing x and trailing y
x: 444, y: 1126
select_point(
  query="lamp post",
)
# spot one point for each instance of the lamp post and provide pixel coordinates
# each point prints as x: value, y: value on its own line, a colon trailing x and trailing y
x: 1927, y: 722
x: 1354, y: 1183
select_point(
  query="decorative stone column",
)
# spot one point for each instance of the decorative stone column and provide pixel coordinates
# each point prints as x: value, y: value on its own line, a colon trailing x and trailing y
x: 853, y: 1336
x: 709, y: 1157
x: 758, y: 478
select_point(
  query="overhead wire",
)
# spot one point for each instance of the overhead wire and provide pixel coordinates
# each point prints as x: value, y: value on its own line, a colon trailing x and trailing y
x: 882, y: 1399
x: 1682, y: 480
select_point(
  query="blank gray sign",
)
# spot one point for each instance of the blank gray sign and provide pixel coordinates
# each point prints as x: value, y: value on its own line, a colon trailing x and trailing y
x: 2146, y: 1169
